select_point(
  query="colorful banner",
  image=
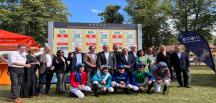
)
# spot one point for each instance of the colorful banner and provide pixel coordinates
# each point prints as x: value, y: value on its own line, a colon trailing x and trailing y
x: 197, y: 44
x: 62, y: 40
x: 104, y: 39
x: 90, y: 39
x: 68, y: 39
x: 117, y: 38
x: 76, y: 39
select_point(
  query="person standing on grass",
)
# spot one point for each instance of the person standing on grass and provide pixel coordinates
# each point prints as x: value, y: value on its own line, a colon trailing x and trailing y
x: 46, y: 70
x: 78, y: 81
x: 75, y: 58
x: 90, y: 62
x: 61, y: 66
x: 133, y: 52
x: 29, y: 85
x: 107, y: 57
x: 117, y: 53
x: 181, y: 64
x: 164, y: 56
x: 17, y: 63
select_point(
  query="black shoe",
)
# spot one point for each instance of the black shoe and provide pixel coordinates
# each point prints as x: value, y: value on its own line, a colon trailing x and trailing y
x: 165, y: 90
x: 187, y: 86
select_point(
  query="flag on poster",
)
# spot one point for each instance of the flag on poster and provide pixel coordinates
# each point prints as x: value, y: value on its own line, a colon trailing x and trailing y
x: 197, y: 44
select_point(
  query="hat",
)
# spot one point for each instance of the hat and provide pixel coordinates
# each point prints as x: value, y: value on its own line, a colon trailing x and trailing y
x: 121, y: 66
x: 105, y: 67
x: 80, y: 65
x: 162, y: 64
x: 140, y: 65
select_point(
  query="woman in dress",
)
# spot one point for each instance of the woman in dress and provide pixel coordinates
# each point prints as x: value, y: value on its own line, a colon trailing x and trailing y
x: 29, y: 85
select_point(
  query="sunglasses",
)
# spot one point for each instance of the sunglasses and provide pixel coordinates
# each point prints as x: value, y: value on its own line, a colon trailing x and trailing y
x: 61, y: 52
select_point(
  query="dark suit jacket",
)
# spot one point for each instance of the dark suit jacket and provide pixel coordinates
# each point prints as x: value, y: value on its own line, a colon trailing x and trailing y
x: 73, y: 60
x: 101, y: 59
x: 43, y: 64
x: 60, y: 66
x: 117, y: 55
x: 182, y: 63
x: 130, y: 61
x: 164, y: 58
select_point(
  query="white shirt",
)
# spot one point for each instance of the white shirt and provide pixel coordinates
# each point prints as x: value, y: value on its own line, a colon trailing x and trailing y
x: 106, y: 55
x: 164, y: 53
x: 17, y: 57
x: 49, y: 60
x: 151, y: 57
x: 126, y: 57
x: 79, y: 59
x: 179, y: 54
x: 135, y: 54
x: 93, y: 56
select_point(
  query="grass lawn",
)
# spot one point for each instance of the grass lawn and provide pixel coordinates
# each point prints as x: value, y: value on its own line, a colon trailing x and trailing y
x: 203, y: 91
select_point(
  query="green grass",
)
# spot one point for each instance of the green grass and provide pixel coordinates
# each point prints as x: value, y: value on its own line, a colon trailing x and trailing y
x: 203, y: 91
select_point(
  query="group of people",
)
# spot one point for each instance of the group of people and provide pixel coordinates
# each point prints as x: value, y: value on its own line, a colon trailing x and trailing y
x: 106, y: 71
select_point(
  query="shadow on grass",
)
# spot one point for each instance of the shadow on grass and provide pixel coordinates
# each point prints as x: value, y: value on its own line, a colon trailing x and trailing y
x: 206, y: 80
x: 5, y: 96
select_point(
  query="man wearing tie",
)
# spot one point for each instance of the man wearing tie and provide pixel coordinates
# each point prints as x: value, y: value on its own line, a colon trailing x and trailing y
x: 106, y: 57
x: 180, y: 62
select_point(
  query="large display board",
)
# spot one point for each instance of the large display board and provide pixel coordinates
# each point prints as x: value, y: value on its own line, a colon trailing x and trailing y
x: 67, y: 36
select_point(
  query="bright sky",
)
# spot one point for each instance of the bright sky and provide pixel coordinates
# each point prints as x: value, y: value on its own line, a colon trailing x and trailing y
x: 87, y: 10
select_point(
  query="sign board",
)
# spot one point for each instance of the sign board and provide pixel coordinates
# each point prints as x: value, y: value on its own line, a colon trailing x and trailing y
x: 67, y: 36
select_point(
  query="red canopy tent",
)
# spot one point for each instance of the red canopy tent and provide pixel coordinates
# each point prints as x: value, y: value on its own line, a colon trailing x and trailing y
x: 10, y: 40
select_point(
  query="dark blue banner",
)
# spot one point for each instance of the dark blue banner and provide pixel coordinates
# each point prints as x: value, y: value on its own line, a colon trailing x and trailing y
x: 197, y: 44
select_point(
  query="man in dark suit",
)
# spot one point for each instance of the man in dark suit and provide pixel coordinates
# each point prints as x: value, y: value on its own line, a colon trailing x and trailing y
x: 180, y: 62
x: 127, y: 59
x: 75, y: 58
x: 164, y: 56
x: 117, y: 53
x: 106, y: 57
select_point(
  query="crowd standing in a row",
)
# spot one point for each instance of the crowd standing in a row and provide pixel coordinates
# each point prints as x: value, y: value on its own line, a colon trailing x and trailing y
x: 106, y: 71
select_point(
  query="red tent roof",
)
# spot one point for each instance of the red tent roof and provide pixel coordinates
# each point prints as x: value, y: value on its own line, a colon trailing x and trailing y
x: 10, y: 40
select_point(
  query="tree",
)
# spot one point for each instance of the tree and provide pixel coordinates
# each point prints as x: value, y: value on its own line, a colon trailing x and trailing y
x: 193, y: 15
x: 150, y: 14
x: 111, y: 15
x: 31, y: 17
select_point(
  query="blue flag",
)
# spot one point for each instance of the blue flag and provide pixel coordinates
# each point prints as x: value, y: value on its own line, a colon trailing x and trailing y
x: 197, y: 44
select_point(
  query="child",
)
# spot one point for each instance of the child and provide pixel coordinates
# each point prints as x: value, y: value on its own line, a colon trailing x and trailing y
x: 121, y: 78
x: 141, y: 79
x: 162, y: 76
x: 78, y: 81
x: 102, y: 79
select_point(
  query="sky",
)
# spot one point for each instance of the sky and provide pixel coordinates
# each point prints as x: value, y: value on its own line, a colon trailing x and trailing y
x: 88, y: 10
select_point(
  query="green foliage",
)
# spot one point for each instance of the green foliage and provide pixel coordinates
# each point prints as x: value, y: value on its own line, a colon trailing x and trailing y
x: 31, y: 17
x: 193, y: 15
x: 111, y: 15
x: 150, y: 14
